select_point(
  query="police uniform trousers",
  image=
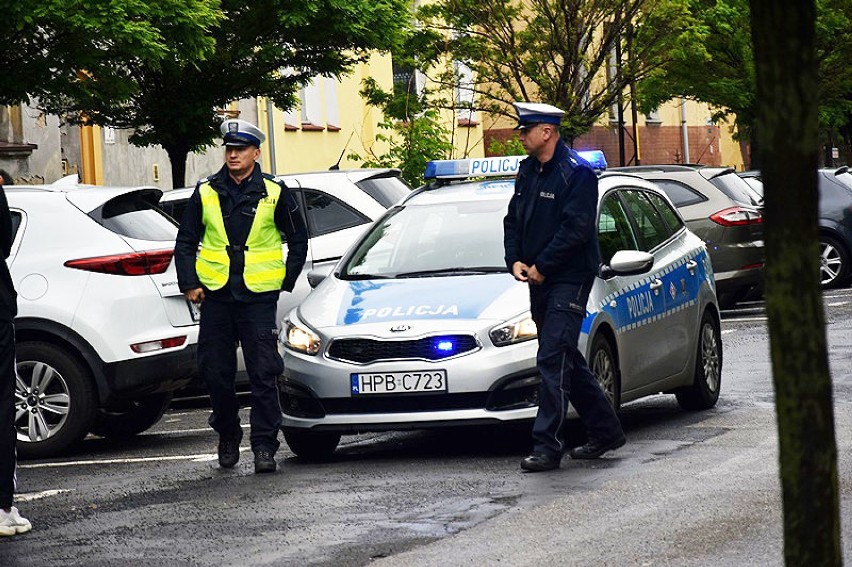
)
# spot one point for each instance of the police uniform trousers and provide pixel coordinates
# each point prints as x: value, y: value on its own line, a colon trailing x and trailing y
x: 7, y: 412
x: 558, y: 310
x: 223, y: 323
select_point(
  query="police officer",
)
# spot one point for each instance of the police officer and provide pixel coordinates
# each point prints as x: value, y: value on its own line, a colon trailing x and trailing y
x: 238, y: 215
x: 550, y: 241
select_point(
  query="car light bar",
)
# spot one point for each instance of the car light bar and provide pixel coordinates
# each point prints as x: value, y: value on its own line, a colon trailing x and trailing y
x: 474, y: 167
x: 151, y: 346
x: 501, y: 166
x: 595, y: 158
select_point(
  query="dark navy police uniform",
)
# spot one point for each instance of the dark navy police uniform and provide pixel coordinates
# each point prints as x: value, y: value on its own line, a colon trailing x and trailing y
x: 551, y: 223
x: 234, y: 313
x: 8, y: 310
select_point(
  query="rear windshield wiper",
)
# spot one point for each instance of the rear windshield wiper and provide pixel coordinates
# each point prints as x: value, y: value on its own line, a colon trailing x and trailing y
x: 358, y: 277
x: 458, y: 271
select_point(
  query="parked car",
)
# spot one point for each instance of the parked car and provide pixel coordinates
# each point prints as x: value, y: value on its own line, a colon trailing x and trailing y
x: 719, y: 207
x: 835, y: 222
x: 103, y: 335
x: 421, y: 324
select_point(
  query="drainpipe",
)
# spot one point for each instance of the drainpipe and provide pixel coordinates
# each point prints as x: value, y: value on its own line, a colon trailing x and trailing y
x: 270, y: 126
x: 683, y: 129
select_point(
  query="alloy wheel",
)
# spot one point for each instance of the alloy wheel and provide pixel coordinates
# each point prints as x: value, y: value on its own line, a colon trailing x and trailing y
x: 710, y: 357
x: 42, y: 401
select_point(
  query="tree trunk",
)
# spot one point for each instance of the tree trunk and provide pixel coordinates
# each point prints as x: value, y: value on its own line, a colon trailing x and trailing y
x: 788, y: 146
x: 177, y: 159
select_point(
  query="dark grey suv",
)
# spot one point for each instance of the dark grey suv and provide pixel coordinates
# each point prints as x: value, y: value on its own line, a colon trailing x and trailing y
x: 725, y: 212
x: 835, y: 222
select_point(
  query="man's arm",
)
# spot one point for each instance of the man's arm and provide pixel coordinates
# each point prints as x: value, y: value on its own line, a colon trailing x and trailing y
x: 186, y: 244
x: 577, y: 215
x: 289, y: 220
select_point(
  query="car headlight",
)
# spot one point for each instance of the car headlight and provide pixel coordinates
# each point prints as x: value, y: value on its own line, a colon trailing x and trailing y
x: 517, y: 330
x: 300, y: 338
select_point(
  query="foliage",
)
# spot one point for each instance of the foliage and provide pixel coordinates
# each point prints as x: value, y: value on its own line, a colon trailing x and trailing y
x: 261, y: 48
x: 54, y: 48
x: 413, y: 132
x: 561, y: 52
x: 719, y: 68
x: 510, y: 147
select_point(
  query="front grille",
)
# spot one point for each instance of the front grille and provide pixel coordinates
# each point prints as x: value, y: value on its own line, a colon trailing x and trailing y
x: 363, y: 351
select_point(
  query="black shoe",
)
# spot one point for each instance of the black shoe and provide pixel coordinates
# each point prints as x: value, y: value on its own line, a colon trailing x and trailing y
x: 538, y: 462
x: 264, y: 462
x: 594, y: 449
x: 229, y: 452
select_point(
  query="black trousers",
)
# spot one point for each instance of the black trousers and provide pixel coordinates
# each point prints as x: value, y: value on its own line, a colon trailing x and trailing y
x: 7, y: 413
x: 223, y: 323
x: 558, y: 311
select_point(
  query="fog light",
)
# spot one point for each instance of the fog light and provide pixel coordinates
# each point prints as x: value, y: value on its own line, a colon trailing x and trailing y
x: 161, y: 344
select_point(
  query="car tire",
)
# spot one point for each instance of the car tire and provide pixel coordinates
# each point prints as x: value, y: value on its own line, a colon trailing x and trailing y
x: 834, y: 262
x: 312, y: 445
x: 604, y: 365
x: 132, y: 417
x: 68, y: 397
x: 704, y: 391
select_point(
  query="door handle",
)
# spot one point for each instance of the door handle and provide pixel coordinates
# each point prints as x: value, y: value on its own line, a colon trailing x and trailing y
x: 691, y: 265
x: 656, y: 285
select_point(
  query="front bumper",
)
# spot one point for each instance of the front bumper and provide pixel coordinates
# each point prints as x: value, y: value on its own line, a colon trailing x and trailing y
x: 492, y: 385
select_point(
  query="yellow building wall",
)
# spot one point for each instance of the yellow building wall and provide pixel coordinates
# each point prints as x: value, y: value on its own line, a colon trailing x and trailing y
x: 303, y: 149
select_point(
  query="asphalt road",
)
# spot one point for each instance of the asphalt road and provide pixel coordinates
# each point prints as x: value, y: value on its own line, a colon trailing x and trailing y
x: 688, y: 489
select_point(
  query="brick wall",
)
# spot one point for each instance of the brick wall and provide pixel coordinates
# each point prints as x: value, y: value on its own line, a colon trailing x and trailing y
x: 658, y: 144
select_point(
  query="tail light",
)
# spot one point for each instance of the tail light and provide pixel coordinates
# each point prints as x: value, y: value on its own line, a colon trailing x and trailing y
x: 133, y: 264
x: 737, y: 216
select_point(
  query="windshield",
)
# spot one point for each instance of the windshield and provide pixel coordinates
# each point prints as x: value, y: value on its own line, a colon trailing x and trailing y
x: 434, y: 240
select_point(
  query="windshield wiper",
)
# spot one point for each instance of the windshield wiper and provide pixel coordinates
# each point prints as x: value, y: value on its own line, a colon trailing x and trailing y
x: 358, y: 277
x: 457, y: 271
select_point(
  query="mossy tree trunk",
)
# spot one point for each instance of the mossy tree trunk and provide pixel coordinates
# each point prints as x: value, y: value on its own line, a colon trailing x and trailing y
x: 787, y: 131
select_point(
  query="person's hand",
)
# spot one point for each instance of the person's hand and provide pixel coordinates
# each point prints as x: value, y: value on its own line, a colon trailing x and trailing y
x: 195, y: 295
x: 534, y: 276
x: 519, y: 270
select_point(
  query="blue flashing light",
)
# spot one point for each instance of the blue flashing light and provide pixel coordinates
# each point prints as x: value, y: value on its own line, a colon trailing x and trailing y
x: 503, y: 166
x: 445, y: 346
x: 595, y: 158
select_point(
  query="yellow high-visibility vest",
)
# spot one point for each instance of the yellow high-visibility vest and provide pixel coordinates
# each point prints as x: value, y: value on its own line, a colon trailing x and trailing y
x: 264, y: 262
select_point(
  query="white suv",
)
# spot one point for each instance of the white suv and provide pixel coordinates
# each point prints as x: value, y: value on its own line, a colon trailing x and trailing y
x: 103, y: 334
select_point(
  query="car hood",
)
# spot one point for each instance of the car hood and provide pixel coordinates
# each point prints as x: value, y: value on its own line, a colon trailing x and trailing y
x: 487, y: 297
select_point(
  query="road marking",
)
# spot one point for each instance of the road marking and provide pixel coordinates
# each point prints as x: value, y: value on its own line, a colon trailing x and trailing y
x: 836, y: 304
x: 29, y: 496
x: 199, y: 458
x: 185, y: 431
x: 726, y: 331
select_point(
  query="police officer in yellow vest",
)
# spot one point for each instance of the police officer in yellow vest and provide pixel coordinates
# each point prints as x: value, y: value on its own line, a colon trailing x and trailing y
x: 239, y: 215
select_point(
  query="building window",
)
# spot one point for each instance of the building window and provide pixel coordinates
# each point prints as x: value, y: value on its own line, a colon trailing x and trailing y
x: 653, y: 117
x: 310, y: 99
x: 465, y: 114
x: 332, y: 112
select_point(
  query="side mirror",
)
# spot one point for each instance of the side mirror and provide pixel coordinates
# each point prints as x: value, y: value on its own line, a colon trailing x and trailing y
x: 319, y: 273
x: 628, y: 263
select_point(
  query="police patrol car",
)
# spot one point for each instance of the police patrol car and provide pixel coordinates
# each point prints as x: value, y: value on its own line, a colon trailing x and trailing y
x: 421, y: 325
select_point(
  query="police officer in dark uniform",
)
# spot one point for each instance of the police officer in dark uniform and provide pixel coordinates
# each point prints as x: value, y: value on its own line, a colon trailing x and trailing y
x: 238, y: 215
x: 550, y: 241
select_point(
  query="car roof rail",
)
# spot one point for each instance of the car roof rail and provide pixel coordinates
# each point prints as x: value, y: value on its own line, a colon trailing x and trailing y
x: 661, y: 168
x: 722, y: 171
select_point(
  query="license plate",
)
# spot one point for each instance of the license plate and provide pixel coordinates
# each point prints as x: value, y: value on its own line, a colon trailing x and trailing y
x: 194, y: 311
x: 399, y: 382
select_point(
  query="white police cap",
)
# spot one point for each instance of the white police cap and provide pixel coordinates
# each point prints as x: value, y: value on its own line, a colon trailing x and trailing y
x: 531, y: 113
x: 241, y: 133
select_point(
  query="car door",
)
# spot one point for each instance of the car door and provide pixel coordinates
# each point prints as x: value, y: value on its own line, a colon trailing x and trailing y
x: 658, y: 304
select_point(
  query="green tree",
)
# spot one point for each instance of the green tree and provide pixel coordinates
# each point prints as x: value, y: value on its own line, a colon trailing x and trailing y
x: 719, y: 69
x: 265, y: 48
x: 787, y: 134
x: 53, y: 48
x: 412, y: 130
x: 580, y: 55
